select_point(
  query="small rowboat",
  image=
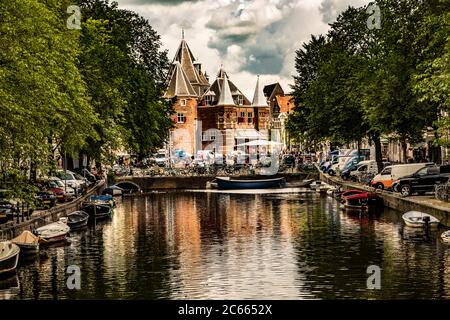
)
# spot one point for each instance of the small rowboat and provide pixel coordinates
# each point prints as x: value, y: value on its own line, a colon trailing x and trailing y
x: 362, y: 200
x: 98, y: 210
x: 445, y: 236
x: 28, y: 242
x: 113, y: 191
x: 103, y: 199
x: 418, y: 219
x: 53, y: 232
x: 9, y: 256
x: 77, y: 219
x: 232, y: 184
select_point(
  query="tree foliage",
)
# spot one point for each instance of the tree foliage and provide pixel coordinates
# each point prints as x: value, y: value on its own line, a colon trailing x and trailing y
x: 89, y: 90
x: 357, y: 82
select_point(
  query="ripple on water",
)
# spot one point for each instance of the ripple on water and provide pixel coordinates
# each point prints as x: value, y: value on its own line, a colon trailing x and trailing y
x: 239, y: 246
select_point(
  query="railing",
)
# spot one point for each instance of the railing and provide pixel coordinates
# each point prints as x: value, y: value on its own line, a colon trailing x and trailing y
x: 214, y: 170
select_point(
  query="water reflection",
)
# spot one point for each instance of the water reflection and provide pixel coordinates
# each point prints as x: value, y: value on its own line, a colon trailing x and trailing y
x: 232, y: 246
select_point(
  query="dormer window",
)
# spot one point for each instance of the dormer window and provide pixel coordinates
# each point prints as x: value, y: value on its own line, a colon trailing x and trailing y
x: 240, y: 100
x: 209, y: 100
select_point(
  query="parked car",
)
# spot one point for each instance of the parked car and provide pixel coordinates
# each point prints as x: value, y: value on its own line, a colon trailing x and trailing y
x: 70, y: 192
x: 45, y: 199
x: 328, y: 164
x: 58, y: 190
x: 7, y: 207
x: 69, y: 178
x: 84, y: 181
x: 366, y: 168
x: 288, y: 161
x: 85, y: 173
x: 351, y: 165
x: 385, y: 178
x: 423, y: 180
x: 160, y: 159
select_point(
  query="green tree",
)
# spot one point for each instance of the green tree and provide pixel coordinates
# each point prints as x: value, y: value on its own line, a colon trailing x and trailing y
x: 125, y: 68
x: 43, y: 100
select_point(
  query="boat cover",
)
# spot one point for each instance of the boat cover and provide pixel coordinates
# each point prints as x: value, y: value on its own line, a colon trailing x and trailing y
x: 26, y: 237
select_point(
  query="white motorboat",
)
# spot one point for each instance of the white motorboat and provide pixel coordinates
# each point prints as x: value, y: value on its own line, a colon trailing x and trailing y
x: 320, y: 186
x: 53, y: 232
x: 418, y: 219
x: 9, y: 256
x: 445, y: 236
x: 27, y: 242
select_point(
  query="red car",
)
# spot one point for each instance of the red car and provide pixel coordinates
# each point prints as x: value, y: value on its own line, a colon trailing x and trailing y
x: 52, y: 186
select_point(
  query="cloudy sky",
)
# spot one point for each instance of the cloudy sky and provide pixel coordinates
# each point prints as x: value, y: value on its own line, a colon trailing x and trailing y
x: 249, y: 37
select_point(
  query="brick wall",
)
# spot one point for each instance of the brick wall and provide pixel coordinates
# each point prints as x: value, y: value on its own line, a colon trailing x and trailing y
x: 183, y: 136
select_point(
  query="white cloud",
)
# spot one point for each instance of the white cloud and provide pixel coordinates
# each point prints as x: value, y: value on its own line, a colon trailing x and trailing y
x: 248, y: 37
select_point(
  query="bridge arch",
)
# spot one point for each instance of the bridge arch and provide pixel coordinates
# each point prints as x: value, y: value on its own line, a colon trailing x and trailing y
x: 128, y: 185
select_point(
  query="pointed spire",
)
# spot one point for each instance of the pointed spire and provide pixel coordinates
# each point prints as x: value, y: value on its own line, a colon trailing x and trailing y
x: 225, y: 99
x: 258, y: 98
x: 182, y: 34
x: 222, y: 74
x: 185, y: 56
x: 179, y: 85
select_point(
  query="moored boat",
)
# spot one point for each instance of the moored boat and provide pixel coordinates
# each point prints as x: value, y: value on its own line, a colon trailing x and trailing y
x: 53, y: 232
x: 97, y: 210
x: 103, y: 199
x: 445, y: 236
x: 418, y: 219
x: 27, y: 241
x: 77, y: 219
x: 234, y: 184
x: 362, y: 200
x: 9, y: 256
x: 113, y: 191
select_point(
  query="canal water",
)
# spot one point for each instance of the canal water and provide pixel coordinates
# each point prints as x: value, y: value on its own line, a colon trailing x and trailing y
x: 200, y: 245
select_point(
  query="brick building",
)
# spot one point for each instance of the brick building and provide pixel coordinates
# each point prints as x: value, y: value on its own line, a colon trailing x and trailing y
x: 280, y: 106
x: 215, y: 116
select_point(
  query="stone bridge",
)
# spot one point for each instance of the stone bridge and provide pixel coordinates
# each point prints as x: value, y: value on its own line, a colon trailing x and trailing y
x: 192, y: 182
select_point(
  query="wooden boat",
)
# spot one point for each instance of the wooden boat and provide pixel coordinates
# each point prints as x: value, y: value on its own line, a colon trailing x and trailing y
x: 445, y: 236
x: 113, y: 191
x: 53, y: 232
x: 418, y: 219
x: 318, y: 185
x: 233, y: 184
x: 77, y: 219
x: 362, y: 200
x: 97, y: 210
x: 9, y: 256
x: 27, y: 241
x: 103, y: 199
x: 306, y: 183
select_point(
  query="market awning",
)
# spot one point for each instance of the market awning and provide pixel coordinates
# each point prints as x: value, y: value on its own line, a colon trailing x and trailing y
x: 249, y: 134
x: 260, y: 143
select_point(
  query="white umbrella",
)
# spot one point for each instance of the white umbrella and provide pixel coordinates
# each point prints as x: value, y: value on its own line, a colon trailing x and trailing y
x: 260, y: 143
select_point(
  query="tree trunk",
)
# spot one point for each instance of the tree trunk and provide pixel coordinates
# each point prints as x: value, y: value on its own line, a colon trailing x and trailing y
x: 378, y: 156
x: 435, y: 151
x: 404, y: 147
x: 359, y: 149
x: 33, y: 171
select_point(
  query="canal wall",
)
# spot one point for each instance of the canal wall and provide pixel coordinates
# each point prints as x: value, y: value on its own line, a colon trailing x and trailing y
x: 198, y: 182
x: 427, y: 204
x: 39, y: 218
